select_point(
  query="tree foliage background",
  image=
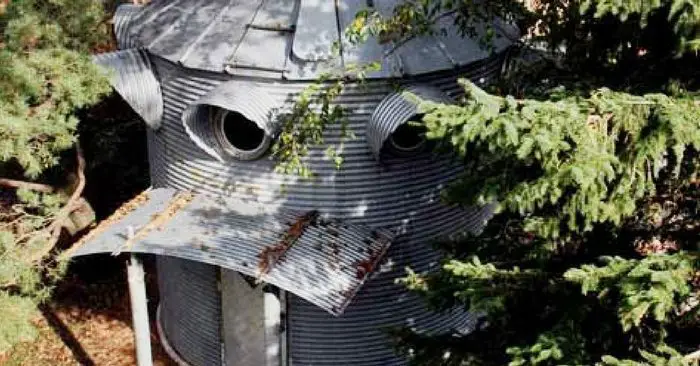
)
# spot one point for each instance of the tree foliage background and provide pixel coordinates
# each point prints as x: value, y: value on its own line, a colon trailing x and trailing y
x: 589, y: 145
x: 47, y: 83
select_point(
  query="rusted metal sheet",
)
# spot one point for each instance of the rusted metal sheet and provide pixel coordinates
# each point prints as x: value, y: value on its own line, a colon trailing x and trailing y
x: 133, y: 78
x: 324, y: 261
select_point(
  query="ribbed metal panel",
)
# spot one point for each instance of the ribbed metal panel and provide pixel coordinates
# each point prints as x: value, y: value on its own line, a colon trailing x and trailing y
x: 323, y: 261
x: 396, y: 192
x: 400, y: 194
x: 122, y: 18
x: 363, y: 190
x: 358, y: 337
x: 246, y: 98
x: 133, y: 78
x: 292, y: 39
x: 397, y: 109
x: 190, y: 309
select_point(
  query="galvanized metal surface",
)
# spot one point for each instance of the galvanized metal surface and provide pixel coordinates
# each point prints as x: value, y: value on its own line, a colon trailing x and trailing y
x: 242, y: 97
x: 190, y: 309
x: 165, y: 343
x: 316, y: 30
x: 397, y: 109
x: 133, y: 78
x: 291, y: 39
x: 256, y: 42
x: 395, y: 192
x: 320, y: 260
x: 122, y: 19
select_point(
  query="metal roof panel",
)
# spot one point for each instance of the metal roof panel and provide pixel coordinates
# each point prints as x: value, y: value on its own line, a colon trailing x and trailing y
x: 323, y: 261
x: 317, y: 30
x: 217, y: 42
x: 290, y: 39
x: 178, y: 41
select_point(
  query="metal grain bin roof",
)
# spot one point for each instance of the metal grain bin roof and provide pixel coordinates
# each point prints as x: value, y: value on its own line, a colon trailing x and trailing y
x: 289, y: 39
x: 322, y: 261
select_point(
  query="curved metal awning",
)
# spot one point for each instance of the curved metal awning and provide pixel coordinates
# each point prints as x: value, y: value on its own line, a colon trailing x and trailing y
x: 323, y: 261
x: 132, y: 76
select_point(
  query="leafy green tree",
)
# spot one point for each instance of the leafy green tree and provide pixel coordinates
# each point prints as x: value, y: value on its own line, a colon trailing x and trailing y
x: 590, y: 150
x: 46, y: 76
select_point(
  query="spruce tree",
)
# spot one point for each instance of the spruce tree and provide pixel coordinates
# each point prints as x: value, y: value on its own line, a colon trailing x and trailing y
x: 46, y: 76
x: 589, y: 147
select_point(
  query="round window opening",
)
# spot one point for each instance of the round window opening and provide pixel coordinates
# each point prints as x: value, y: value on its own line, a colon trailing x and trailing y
x: 240, y: 132
x: 409, y: 138
x: 238, y: 136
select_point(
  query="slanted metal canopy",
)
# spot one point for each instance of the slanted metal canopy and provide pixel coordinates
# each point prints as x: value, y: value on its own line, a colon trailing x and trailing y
x: 323, y: 261
x: 132, y: 76
x: 290, y: 39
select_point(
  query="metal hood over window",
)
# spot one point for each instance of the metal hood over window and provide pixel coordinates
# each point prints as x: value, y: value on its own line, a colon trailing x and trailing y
x: 390, y: 121
x: 235, y: 120
x: 322, y: 261
x: 133, y: 78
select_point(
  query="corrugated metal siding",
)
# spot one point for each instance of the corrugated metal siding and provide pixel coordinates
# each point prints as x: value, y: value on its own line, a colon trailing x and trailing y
x: 133, y: 78
x: 122, y: 19
x: 362, y: 190
x: 246, y: 98
x: 190, y: 309
x: 358, y: 337
x: 396, y: 192
x: 290, y: 39
x: 316, y: 259
x: 397, y: 109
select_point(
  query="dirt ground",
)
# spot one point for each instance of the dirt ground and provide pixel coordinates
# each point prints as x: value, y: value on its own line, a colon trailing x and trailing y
x: 88, y: 321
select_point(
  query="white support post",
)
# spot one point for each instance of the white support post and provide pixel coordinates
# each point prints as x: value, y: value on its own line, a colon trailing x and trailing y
x: 272, y: 310
x: 139, y: 311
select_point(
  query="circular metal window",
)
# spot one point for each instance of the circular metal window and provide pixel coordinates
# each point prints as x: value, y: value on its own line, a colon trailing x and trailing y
x: 238, y: 136
x: 408, y: 139
x: 396, y: 125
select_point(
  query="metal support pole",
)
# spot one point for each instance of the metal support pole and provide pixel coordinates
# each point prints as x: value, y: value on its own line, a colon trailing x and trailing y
x: 139, y: 311
x: 272, y: 310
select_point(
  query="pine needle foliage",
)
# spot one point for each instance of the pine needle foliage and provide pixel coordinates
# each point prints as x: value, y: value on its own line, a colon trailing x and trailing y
x: 589, y: 149
x: 46, y: 76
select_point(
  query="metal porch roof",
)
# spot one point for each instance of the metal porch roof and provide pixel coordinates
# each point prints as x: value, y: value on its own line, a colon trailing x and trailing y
x: 323, y: 261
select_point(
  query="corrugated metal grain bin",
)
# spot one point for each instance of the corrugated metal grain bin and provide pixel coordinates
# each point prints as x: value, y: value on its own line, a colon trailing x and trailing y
x: 261, y: 268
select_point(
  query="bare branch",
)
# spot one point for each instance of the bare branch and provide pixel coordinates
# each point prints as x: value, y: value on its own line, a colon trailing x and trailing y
x: 57, y: 225
x: 12, y: 183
